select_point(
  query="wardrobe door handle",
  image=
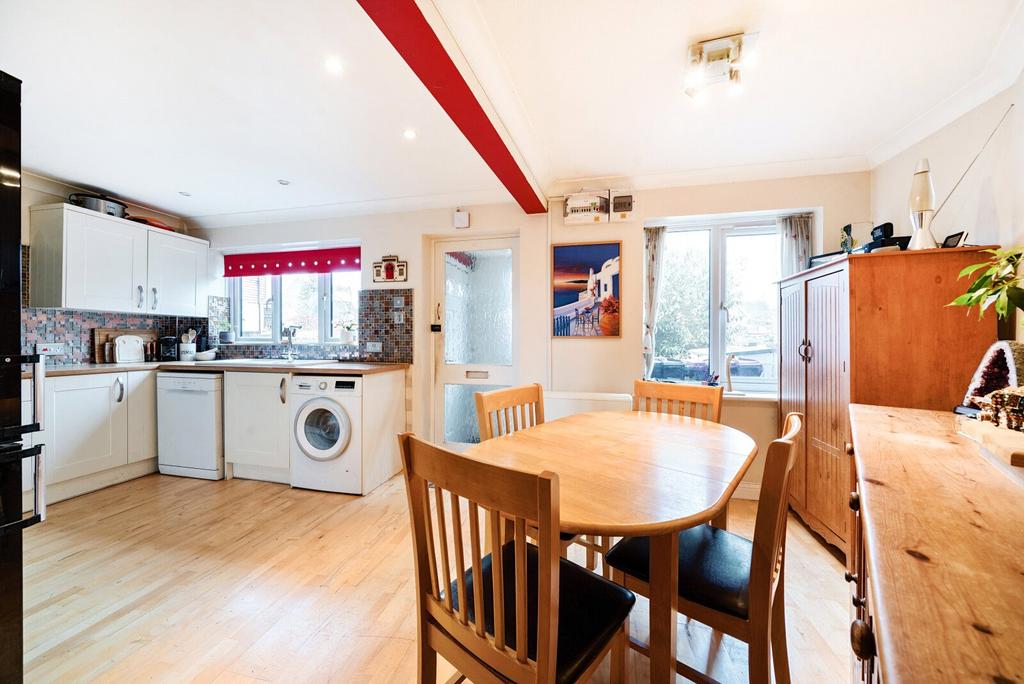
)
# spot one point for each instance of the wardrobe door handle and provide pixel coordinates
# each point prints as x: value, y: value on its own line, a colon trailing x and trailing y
x: 282, y: 393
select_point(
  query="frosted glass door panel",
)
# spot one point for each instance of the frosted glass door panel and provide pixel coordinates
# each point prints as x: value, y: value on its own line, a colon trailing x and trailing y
x: 478, y: 307
x: 460, y: 425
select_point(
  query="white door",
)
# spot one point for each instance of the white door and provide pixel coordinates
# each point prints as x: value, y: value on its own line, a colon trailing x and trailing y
x: 256, y: 420
x: 476, y: 302
x: 106, y: 264
x: 87, y: 424
x: 141, y: 415
x: 177, y: 268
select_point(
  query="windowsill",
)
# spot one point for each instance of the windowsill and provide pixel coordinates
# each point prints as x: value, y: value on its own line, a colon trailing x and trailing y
x: 269, y: 343
x: 747, y: 397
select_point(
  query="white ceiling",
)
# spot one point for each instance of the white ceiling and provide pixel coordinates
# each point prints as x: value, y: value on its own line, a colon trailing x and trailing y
x: 221, y: 99
x: 599, y: 83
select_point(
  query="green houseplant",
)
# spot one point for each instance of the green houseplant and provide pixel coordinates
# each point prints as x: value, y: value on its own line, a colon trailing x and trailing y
x: 998, y: 285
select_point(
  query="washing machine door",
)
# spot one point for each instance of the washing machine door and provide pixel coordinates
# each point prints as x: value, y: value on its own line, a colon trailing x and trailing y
x: 322, y: 429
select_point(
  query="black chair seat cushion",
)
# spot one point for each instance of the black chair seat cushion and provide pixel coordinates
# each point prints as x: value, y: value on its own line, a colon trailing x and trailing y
x: 714, y: 567
x: 590, y: 609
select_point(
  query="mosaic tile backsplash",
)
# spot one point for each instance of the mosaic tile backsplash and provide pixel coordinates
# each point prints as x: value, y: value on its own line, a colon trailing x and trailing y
x: 377, y: 309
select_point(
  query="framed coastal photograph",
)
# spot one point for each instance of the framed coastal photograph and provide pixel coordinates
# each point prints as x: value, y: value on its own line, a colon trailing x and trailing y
x: 586, y: 287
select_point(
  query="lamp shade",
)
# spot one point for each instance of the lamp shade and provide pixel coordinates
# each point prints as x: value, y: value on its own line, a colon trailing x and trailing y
x: 922, y: 193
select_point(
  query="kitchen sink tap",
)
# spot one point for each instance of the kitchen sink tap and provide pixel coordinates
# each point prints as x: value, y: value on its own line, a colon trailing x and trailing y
x: 289, y: 332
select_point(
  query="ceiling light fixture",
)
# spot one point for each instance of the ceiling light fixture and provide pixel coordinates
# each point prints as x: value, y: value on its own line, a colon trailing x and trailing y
x: 718, y: 61
x: 334, y: 66
x: 409, y: 134
x: 184, y: 194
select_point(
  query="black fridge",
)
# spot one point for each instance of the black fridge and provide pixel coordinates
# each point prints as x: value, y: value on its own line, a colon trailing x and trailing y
x: 15, y: 437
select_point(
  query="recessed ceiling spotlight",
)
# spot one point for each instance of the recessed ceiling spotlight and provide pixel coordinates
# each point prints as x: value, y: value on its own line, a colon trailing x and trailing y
x: 334, y: 66
x: 409, y: 134
x: 282, y: 181
x: 184, y: 194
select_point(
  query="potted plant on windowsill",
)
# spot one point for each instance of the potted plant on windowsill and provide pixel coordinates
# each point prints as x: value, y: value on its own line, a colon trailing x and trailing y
x: 998, y: 286
x: 347, y: 332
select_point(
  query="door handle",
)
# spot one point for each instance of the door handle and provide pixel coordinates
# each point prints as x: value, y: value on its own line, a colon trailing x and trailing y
x: 38, y: 394
x: 282, y: 393
x: 477, y: 375
x: 141, y: 296
x: 154, y: 299
x: 120, y: 390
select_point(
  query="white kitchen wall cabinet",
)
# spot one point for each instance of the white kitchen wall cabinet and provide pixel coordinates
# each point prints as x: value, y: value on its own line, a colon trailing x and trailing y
x: 177, y: 275
x: 82, y: 259
x: 141, y: 415
x: 87, y: 424
x: 256, y: 420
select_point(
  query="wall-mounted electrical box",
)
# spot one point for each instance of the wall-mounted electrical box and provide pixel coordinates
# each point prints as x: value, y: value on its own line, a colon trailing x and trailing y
x: 622, y: 205
x: 586, y: 207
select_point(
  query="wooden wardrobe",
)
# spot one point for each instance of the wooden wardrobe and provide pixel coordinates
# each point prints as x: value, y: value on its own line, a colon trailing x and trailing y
x: 869, y: 329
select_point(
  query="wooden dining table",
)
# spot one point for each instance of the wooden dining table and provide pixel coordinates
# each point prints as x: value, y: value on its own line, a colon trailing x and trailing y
x: 632, y: 473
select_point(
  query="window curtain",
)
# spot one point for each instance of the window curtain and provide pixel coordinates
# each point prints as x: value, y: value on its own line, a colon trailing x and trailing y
x: 796, y: 242
x: 654, y: 239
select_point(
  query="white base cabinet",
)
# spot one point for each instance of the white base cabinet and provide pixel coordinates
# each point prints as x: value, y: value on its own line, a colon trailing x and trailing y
x: 141, y: 415
x: 87, y: 424
x: 256, y: 420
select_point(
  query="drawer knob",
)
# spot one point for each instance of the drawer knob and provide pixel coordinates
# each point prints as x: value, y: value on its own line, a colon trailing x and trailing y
x: 850, y: 576
x: 849, y: 449
x: 860, y: 601
x: 854, y: 501
x: 862, y: 640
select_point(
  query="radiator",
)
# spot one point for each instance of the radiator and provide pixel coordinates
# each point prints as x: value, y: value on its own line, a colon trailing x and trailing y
x: 561, y: 404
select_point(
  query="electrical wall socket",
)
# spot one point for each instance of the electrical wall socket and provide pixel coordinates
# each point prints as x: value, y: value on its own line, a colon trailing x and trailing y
x: 50, y: 348
x: 398, y: 317
x: 374, y: 347
x: 397, y: 302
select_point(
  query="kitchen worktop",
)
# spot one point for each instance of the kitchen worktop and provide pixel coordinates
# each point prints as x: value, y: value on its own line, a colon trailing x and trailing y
x: 302, y: 367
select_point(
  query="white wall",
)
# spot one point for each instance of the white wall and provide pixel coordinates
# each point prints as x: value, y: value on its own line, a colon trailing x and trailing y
x: 990, y: 201
x: 586, y: 365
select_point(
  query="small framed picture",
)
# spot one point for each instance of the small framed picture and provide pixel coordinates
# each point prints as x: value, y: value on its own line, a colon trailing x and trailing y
x: 586, y: 283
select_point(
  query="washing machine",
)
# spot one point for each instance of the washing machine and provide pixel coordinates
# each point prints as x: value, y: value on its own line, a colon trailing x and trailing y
x: 326, y: 443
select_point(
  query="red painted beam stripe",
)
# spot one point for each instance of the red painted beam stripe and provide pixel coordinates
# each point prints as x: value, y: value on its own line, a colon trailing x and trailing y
x: 404, y: 25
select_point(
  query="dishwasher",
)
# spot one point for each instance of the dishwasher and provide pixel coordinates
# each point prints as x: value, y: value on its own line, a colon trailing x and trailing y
x: 190, y: 424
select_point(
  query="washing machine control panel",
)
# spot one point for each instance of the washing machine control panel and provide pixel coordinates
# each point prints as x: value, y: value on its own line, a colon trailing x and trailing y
x: 326, y: 385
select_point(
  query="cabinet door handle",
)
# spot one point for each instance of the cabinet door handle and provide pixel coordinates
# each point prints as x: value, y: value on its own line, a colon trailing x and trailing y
x: 154, y: 299
x: 282, y: 392
x: 808, y: 351
x: 120, y: 390
x: 850, y: 576
x: 862, y: 640
x: 854, y: 501
x: 141, y: 296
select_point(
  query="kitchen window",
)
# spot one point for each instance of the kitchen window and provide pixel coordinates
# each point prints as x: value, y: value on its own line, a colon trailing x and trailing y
x: 718, y: 297
x: 319, y: 305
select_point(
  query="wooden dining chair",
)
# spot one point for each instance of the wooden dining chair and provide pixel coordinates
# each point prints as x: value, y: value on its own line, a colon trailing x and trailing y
x: 727, y: 582
x: 518, y: 613
x: 511, y: 409
x: 695, y: 401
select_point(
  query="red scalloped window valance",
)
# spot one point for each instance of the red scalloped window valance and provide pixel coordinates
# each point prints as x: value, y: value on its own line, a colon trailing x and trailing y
x: 306, y: 261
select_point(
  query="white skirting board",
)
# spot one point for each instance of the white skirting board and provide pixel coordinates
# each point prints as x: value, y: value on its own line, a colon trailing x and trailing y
x: 68, y: 489
x: 264, y: 473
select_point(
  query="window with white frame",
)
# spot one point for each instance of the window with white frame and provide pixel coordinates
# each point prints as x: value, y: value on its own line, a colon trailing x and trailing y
x: 718, y: 299
x: 319, y: 305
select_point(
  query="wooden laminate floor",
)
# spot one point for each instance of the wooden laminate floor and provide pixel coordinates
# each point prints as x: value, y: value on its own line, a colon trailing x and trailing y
x: 172, y: 580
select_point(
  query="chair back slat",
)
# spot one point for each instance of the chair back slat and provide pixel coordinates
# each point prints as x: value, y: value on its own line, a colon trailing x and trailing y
x: 460, y: 561
x: 510, y: 409
x: 695, y: 401
x: 475, y: 558
x: 770, y: 524
x: 498, y: 588
x: 506, y: 499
